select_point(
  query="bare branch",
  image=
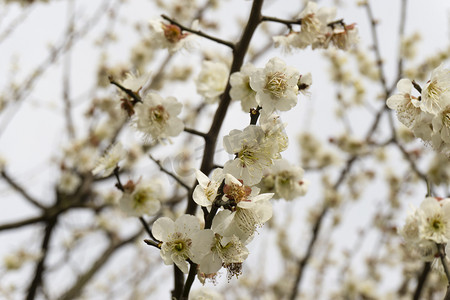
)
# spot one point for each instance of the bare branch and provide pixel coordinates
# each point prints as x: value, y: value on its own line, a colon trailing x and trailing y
x: 199, y: 33
x: 21, y: 190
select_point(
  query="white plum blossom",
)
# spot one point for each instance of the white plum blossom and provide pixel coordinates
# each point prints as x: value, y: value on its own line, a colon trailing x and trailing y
x: 411, y: 230
x: 284, y: 180
x: 240, y: 87
x: 212, y: 80
x: 406, y: 105
x: 220, y: 251
x: 168, y: 36
x: 428, y: 226
x: 250, y: 210
x: 274, y: 132
x: 435, y: 219
x: 142, y: 198
x: 441, y: 131
x: 68, y: 182
x: 156, y: 117
x: 319, y: 28
x: 314, y: 19
x: 436, y: 93
x: 344, y: 36
x: 253, y: 154
x: 176, y: 238
x: 205, y: 293
x: 206, y: 190
x: 135, y: 83
x: 110, y: 160
x: 276, y: 86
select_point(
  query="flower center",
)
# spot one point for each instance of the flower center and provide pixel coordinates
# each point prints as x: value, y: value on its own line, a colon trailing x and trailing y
x: 276, y: 84
x: 158, y: 114
x: 434, y: 90
x: 173, y: 33
x: 247, y: 156
x: 179, y: 244
x: 237, y: 192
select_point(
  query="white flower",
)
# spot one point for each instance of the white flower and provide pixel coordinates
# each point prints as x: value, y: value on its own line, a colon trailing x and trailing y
x: 285, y: 180
x: 274, y: 133
x: 436, y: 93
x: 212, y: 80
x: 406, y: 105
x: 176, y: 238
x: 205, y: 293
x: 157, y: 117
x: 275, y: 86
x: 441, y: 124
x: 135, y: 83
x: 287, y: 42
x: 253, y: 154
x: 206, y: 191
x: 168, y: 36
x: 435, y: 220
x: 411, y: 230
x: 110, y: 160
x: 220, y: 251
x: 142, y: 198
x: 69, y: 182
x: 315, y: 20
x: 240, y: 87
x: 344, y: 36
x: 249, y: 210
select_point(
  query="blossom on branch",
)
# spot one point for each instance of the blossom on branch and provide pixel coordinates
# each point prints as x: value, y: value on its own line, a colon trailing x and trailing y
x: 156, y: 117
x: 275, y: 86
x: 176, y: 238
x: 142, y: 198
x: 253, y: 153
x: 212, y: 80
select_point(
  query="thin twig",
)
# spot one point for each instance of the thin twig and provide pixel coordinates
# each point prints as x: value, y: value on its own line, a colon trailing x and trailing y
x: 161, y: 167
x: 136, y: 98
x: 421, y: 280
x: 288, y: 23
x: 77, y: 288
x: 199, y: 33
x: 21, y: 190
x: 195, y: 132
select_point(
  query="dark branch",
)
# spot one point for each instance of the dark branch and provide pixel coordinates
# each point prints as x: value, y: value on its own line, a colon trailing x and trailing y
x: 21, y: 190
x: 199, y: 33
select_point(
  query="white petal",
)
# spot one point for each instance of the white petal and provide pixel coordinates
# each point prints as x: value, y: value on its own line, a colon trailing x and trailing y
x: 162, y: 228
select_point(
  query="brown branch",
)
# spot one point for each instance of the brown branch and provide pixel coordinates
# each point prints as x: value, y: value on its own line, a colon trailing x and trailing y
x: 376, y: 46
x: 40, y: 267
x: 421, y: 280
x: 161, y: 167
x: 21, y: 190
x: 66, y: 72
x: 195, y: 132
x: 238, y: 59
x: 26, y: 222
x: 199, y: 33
x: 288, y: 23
x: 77, y: 288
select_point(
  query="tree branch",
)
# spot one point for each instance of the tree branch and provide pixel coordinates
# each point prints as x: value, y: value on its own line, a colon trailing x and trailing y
x: 21, y: 190
x: 77, y: 288
x: 199, y: 33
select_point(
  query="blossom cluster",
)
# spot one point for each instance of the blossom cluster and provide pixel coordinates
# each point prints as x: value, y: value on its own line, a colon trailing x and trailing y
x: 274, y: 87
x: 232, y: 201
x: 428, y: 226
x: 426, y: 115
x: 319, y: 29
